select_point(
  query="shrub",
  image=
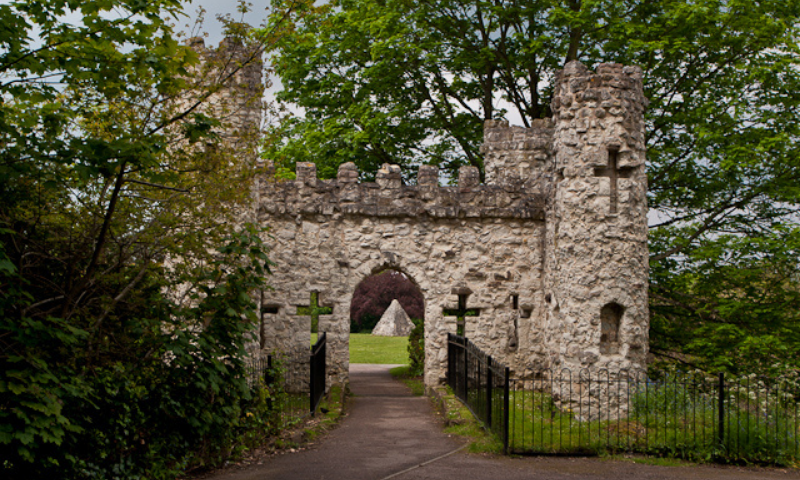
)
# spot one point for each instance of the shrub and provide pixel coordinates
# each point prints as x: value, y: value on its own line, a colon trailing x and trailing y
x: 163, y: 390
x: 416, y: 348
x: 366, y: 324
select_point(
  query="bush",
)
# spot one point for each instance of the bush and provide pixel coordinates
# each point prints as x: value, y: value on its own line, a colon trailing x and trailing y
x: 164, y: 389
x: 366, y: 325
x: 416, y: 348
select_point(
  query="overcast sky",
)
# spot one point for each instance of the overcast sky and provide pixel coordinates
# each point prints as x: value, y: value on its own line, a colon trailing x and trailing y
x: 213, y: 28
x: 221, y: 7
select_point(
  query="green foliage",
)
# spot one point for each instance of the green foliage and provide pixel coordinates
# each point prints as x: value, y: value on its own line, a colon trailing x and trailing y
x: 72, y: 408
x: 412, y: 82
x: 366, y: 324
x: 735, y: 310
x: 416, y: 348
x: 273, y: 408
x: 122, y: 324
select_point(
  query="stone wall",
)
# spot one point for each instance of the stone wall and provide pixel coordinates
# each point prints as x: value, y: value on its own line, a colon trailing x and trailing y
x: 552, y: 250
x: 517, y: 154
x: 327, y: 236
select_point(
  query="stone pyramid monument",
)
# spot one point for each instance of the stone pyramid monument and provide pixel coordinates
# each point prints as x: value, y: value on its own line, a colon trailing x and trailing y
x: 394, y: 322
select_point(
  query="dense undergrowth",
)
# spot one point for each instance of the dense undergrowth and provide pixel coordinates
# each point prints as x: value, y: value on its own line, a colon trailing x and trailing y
x: 155, y: 397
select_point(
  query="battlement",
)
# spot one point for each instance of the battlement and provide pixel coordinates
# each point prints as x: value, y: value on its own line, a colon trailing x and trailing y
x: 517, y: 154
x: 230, y: 54
x: 388, y: 196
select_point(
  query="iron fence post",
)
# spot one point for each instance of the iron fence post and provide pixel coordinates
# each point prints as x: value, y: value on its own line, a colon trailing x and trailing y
x: 466, y: 369
x: 268, y: 381
x: 506, y: 395
x: 317, y: 372
x: 449, y: 361
x: 721, y: 426
x: 489, y: 384
x: 312, y: 390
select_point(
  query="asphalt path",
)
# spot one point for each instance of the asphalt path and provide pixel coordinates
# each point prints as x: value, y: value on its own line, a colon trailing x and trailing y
x: 390, y: 434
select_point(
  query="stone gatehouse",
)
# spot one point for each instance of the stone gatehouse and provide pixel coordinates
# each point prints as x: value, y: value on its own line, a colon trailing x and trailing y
x: 551, y: 252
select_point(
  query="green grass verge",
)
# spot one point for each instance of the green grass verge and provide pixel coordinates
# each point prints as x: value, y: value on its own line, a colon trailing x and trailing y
x: 367, y: 348
x: 311, y: 428
x: 461, y: 422
x: 330, y: 410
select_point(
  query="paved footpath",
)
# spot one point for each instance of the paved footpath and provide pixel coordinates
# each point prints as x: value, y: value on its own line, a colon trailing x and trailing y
x: 388, y: 432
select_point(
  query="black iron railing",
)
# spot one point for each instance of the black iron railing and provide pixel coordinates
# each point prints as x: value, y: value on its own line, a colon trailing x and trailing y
x: 481, y: 383
x: 296, y: 384
x: 677, y: 414
x: 687, y: 415
x: 318, y: 371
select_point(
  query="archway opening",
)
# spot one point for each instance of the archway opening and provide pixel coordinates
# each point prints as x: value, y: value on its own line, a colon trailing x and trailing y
x: 386, y: 310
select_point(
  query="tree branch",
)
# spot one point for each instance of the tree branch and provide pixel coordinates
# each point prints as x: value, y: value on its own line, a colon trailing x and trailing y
x: 124, y: 293
x: 155, y: 185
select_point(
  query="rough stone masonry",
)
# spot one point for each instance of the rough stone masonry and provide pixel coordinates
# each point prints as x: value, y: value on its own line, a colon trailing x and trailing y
x: 551, y: 252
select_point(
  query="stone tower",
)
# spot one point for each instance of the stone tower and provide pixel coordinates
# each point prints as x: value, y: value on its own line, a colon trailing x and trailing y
x: 228, y: 85
x: 596, y: 270
x: 588, y: 163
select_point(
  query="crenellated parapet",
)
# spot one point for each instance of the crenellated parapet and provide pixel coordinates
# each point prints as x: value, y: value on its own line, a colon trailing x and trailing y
x: 388, y: 196
x: 517, y: 154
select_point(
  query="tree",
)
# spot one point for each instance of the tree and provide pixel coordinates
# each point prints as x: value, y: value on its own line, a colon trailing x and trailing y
x: 374, y: 295
x: 412, y: 82
x: 124, y: 291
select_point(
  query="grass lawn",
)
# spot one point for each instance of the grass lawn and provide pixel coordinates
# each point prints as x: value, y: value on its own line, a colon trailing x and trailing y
x: 366, y: 348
